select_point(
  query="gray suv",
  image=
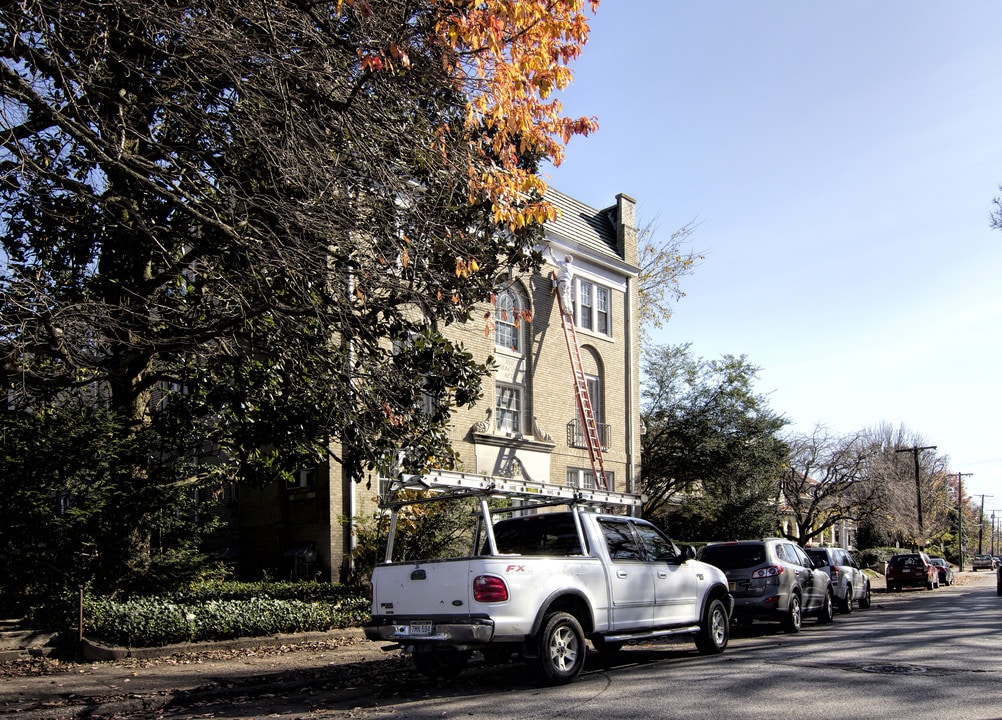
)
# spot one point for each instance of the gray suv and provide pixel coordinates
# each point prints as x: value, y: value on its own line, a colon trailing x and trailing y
x: 772, y: 579
x: 849, y: 583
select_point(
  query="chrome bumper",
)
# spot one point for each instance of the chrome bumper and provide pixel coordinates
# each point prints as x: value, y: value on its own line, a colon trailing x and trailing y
x: 450, y: 629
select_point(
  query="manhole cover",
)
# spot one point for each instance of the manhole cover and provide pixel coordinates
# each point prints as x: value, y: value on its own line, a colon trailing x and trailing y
x: 894, y: 669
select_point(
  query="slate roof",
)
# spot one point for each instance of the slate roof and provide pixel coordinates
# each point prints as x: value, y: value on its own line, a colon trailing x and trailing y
x: 584, y: 225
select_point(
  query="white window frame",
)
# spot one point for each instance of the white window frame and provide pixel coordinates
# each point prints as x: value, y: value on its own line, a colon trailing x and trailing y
x: 603, y: 310
x: 506, y: 419
x: 594, y: 385
x: 593, y: 307
x: 584, y: 478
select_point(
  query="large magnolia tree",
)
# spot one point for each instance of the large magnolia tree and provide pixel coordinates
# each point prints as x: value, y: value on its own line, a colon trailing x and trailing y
x: 712, y: 451
x: 216, y: 216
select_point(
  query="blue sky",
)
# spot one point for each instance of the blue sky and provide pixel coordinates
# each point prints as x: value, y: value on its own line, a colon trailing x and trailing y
x: 840, y: 160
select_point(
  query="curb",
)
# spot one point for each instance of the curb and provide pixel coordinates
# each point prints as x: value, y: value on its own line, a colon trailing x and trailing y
x: 94, y: 651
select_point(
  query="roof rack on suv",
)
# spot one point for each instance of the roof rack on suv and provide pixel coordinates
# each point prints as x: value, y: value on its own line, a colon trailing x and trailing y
x: 457, y: 484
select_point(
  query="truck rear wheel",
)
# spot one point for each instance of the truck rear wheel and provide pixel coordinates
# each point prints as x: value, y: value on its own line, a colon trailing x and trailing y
x: 440, y: 663
x: 715, y: 630
x: 560, y: 649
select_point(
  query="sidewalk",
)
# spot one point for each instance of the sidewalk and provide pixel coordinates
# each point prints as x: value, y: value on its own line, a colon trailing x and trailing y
x: 41, y: 688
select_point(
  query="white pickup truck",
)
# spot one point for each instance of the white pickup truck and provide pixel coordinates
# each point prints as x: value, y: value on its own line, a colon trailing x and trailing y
x: 537, y: 584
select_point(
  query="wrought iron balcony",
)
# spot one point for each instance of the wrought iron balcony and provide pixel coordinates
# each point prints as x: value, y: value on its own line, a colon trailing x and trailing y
x: 576, y: 435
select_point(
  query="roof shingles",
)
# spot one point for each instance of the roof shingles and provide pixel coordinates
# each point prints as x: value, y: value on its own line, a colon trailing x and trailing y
x: 584, y: 225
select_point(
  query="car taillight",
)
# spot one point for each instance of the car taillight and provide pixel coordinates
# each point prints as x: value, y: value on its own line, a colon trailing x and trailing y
x: 488, y: 588
x: 771, y: 571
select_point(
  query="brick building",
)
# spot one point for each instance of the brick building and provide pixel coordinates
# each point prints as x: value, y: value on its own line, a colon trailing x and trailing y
x: 527, y: 421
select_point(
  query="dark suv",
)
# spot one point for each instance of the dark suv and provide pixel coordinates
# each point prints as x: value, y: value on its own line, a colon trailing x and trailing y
x: 772, y: 579
x: 849, y: 583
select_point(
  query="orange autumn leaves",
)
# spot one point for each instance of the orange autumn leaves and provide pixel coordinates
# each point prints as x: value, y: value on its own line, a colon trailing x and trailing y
x: 510, y: 57
x: 507, y: 58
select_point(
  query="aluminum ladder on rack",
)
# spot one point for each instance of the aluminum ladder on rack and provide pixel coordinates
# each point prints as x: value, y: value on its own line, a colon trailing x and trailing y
x: 444, y: 483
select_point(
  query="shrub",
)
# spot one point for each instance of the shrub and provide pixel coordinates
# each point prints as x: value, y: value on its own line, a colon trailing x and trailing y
x: 223, y: 611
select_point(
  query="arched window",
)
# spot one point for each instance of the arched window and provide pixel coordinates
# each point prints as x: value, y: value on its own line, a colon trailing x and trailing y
x: 508, y: 313
x: 512, y: 412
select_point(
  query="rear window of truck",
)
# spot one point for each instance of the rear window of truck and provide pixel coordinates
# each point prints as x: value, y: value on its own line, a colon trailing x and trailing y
x: 546, y: 534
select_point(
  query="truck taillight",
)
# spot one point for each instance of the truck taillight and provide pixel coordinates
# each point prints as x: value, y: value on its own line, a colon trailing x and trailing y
x: 488, y: 588
x: 834, y: 573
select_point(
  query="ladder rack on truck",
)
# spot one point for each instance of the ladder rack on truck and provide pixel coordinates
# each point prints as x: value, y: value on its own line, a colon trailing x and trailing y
x: 529, y: 495
x: 533, y: 494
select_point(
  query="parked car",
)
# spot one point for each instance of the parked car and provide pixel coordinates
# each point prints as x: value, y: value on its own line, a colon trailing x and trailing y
x: 998, y: 580
x: 772, y: 579
x: 849, y: 583
x: 944, y: 569
x: 983, y: 562
x: 911, y: 569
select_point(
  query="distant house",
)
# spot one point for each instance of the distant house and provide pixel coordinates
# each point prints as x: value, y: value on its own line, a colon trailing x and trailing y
x: 527, y: 421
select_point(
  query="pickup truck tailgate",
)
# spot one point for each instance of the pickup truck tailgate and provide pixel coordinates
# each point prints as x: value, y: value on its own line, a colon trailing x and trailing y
x: 429, y: 587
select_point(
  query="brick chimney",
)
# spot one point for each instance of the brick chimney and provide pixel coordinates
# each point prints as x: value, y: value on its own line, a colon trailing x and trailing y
x: 626, y: 228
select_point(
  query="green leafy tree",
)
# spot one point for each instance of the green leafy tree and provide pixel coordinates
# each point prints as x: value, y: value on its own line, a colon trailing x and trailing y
x: 75, y: 512
x: 712, y: 455
x: 247, y: 224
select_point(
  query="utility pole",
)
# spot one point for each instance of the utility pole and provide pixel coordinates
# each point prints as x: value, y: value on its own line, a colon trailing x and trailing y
x: 981, y: 525
x: 960, y: 519
x: 914, y: 450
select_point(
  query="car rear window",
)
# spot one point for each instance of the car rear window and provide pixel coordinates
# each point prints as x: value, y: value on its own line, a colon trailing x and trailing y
x: 727, y: 557
x: 818, y: 555
x: 899, y: 561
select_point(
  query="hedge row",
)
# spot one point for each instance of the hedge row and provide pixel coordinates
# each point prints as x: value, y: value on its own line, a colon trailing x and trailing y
x: 234, y: 612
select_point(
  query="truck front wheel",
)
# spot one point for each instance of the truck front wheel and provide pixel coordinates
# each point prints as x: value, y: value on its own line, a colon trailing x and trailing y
x: 560, y: 652
x: 440, y: 663
x: 715, y: 630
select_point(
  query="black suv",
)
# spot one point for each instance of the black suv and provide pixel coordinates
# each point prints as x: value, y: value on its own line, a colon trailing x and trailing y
x: 772, y: 579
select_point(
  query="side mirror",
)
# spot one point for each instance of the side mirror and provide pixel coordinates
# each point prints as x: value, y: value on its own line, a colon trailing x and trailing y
x: 688, y: 553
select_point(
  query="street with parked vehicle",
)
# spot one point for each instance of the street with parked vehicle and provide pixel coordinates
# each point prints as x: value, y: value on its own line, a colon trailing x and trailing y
x: 914, y: 654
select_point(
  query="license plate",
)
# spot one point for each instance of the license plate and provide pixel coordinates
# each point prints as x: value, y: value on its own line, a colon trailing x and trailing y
x: 420, y: 628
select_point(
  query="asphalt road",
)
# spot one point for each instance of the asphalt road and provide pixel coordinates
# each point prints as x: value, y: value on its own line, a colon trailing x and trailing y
x: 914, y: 654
